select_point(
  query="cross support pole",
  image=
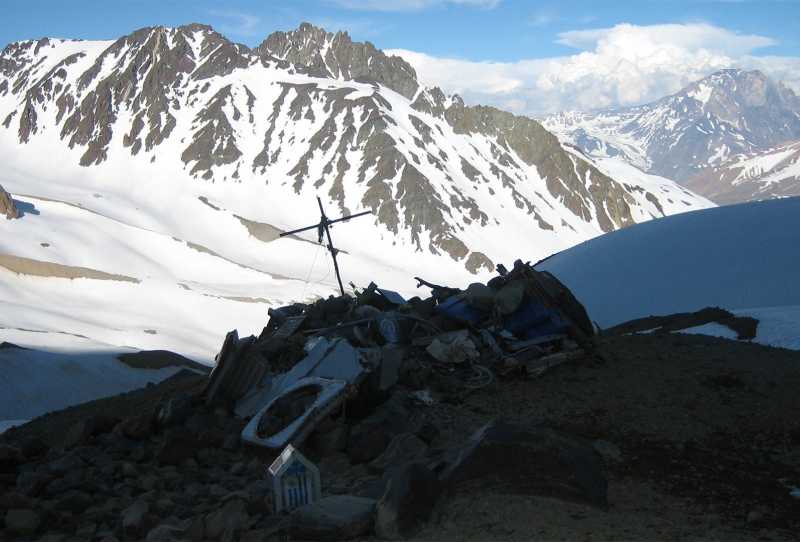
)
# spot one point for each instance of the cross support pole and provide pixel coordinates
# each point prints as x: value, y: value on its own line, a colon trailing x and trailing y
x: 324, y: 226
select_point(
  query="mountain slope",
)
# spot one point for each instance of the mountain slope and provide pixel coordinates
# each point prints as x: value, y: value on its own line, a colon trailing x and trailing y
x: 683, y: 136
x: 170, y: 139
x: 766, y: 174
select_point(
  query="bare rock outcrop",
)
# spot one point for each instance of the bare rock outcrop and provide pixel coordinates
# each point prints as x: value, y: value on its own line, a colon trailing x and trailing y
x: 7, y: 206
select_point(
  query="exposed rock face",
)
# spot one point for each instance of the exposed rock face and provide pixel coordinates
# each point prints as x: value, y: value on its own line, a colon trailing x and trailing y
x: 7, y: 206
x: 698, y: 135
x: 325, y: 54
x: 312, y: 111
x: 774, y: 173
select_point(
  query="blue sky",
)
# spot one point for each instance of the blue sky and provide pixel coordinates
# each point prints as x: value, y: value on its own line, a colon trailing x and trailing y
x: 458, y: 44
x: 502, y: 30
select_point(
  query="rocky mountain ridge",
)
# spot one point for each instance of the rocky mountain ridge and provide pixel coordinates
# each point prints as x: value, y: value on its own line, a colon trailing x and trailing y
x: 312, y: 110
x: 773, y: 173
x: 688, y: 135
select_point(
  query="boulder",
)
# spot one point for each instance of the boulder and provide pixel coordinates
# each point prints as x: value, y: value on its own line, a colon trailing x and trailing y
x: 404, y: 448
x: 370, y: 437
x: 81, y: 431
x: 66, y: 463
x: 137, y: 427
x: 529, y: 460
x: 178, y: 446
x: 338, y: 517
x: 330, y: 438
x: 165, y: 533
x: 174, y: 411
x: 410, y: 495
x: 22, y: 521
x: 227, y: 520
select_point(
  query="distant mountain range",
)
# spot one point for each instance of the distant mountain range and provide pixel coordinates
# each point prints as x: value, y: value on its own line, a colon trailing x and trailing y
x: 309, y: 111
x: 729, y: 136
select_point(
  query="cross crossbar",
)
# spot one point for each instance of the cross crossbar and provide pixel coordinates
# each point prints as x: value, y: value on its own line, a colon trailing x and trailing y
x: 323, y: 229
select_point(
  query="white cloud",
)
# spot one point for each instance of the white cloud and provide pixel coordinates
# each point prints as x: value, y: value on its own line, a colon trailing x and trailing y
x: 544, y: 18
x: 623, y: 65
x: 687, y: 36
x: 239, y: 24
x: 411, y: 5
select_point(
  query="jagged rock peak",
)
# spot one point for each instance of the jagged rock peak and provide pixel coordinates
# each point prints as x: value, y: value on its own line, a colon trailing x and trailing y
x: 325, y: 54
x: 7, y: 206
x: 745, y: 89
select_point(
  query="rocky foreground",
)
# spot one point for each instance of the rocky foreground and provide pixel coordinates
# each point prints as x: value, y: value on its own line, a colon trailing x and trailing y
x: 666, y: 436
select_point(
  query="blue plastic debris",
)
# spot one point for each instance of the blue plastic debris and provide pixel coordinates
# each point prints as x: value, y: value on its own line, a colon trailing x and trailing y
x: 457, y: 308
x: 533, y: 319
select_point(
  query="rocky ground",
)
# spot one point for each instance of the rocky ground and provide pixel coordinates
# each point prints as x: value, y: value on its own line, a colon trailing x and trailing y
x: 700, y: 440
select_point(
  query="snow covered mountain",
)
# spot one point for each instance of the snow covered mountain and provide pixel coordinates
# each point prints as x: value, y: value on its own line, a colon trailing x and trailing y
x: 690, y: 135
x: 773, y: 173
x: 153, y: 174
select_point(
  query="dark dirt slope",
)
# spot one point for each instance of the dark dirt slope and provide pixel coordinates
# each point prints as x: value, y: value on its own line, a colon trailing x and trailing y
x: 707, y: 429
x: 702, y: 436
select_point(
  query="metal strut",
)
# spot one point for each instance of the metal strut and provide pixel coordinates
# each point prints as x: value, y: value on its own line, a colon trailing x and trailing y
x: 323, y: 227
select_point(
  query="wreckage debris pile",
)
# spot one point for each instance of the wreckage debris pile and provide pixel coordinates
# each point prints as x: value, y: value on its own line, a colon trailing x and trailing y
x: 337, y: 375
x: 334, y: 423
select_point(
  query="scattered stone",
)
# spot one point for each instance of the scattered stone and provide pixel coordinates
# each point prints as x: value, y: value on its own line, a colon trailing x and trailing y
x: 428, y: 432
x: 31, y: 483
x: 65, y: 464
x: 410, y: 495
x: 149, y: 482
x: 137, y: 427
x: 232, y: 442
x: 757, y: 515
x: 22, y: 521
x: 74, y: 501
x: 128, y: 470
x: 530, y: 460
x: 82, y: 431
x: 338, y: 517
x: 73, y: 479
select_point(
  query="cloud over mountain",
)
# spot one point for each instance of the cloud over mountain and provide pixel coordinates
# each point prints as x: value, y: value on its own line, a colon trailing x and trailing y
x: 618, y: 66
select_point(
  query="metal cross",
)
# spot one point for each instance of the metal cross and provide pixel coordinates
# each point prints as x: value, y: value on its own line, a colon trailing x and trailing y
x: 323, y: 228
